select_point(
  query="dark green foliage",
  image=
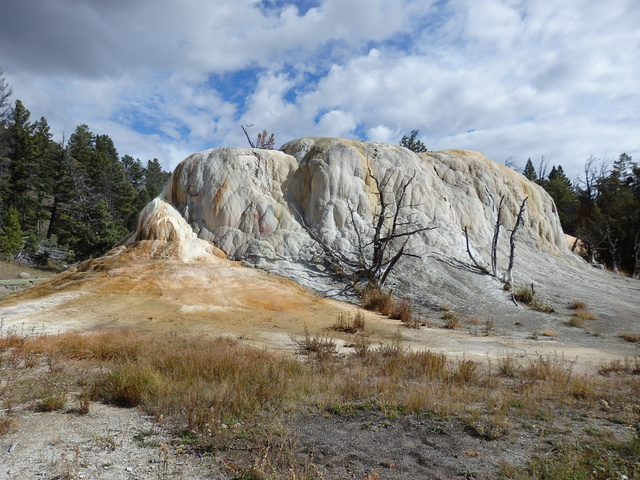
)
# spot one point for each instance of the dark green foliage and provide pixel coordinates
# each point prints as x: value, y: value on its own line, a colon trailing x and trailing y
x: 530, y: 171
x: 412, y: 144
x: 602, y: 209
x: 10, y: 233
x: 79, y: 196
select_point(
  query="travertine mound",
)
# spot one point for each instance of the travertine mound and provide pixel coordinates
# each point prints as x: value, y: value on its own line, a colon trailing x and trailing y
x: 258, y: 205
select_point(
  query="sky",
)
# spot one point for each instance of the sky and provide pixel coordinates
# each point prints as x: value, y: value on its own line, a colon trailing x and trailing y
x: 512, y: 79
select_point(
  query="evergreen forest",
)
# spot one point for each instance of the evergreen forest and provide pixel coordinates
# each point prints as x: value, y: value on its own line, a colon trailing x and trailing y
x: 65, y: 201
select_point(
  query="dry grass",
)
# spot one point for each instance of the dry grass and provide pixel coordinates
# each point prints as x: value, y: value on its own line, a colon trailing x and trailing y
x: 584, y: 314
x: 577, y: 304
x: 550, y: 332
x: 451, y: 320
x: 630, y: 337
x: 383, y: 301
x: 527, y: 296
x: 378, y: 300
x: 202, y: 383
x: 575, y: 321
x: 523, y: 295
x: 349, y: 323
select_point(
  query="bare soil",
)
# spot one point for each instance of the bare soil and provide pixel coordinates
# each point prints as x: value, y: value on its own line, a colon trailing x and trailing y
x: 219, y: 297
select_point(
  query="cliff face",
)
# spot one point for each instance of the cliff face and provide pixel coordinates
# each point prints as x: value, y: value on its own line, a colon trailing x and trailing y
x: 259, y: 205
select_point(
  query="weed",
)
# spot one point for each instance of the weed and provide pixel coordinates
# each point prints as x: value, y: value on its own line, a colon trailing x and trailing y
x: 7, y: 424
x: 508, y: 365
x: 541, y: 307
x: 523, y: 295
x: 349, y: 324
x: 320, y: 347
x: 576, y: 304
x: 53, y: 397
x: 630, y: 337
x: 362, y: 346
x: 549, y: 368
x: 451, y: 320
x: 628, y: 366
x: 403, y: 311
x: 550, y: 332
x: 393, y: 349
x: 599, y: 459
x: 378, y: 300
x: 84, y: 405
x: 466, y: 371
x: 585, y: 314
x: 491, y: 426
x: 488, y: 326
x: 575, y: 321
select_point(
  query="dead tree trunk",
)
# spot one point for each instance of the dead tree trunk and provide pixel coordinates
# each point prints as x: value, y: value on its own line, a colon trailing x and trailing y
x: 380, y: 245
x: 512, y: 242
x: 475, y: 262
x: 613, y: 248
x: 494, y: 243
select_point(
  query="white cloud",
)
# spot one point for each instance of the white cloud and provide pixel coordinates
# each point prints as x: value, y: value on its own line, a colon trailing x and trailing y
x: 506, y: 77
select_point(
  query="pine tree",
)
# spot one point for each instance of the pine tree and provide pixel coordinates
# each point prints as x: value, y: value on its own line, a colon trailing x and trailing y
x: 10, y: 233
x: 156, y: 178
x: 530, y: 171
x: 412, y: 144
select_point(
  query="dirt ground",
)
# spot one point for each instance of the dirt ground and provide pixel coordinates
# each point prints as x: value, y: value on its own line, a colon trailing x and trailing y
x: 219, y: 297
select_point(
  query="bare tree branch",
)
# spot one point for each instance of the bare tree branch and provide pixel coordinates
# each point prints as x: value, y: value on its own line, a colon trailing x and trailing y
x: 475, y: 262
x: 494, y: 243
x: 512, y: 241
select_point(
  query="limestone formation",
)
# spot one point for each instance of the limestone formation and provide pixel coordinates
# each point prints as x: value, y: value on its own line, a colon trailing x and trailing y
x: 259, y: 205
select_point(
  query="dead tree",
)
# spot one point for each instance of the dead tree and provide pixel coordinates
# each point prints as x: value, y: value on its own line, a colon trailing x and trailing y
x: 512, y: 242
x: 612, y: 241
x: 475, y: 262
x: 380, y: 245
x: 494, y: 243
x: 264, y: 142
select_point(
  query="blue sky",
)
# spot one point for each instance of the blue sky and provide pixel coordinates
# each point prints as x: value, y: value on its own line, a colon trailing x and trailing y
x: 166, y: 78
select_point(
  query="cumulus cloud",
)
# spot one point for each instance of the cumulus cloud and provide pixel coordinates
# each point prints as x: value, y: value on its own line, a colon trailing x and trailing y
x: 165, y: 78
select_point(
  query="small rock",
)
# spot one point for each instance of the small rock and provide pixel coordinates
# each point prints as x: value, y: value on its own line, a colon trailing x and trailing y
x: 128, y: 469
x: 12, y: 447
x: 24, y: 275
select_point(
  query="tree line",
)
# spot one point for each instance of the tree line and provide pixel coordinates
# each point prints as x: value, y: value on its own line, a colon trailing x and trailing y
x: 601, y: 208
x: 76, y: 196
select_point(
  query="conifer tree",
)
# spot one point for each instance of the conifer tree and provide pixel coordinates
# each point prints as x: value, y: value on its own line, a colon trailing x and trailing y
x: 10, y: 233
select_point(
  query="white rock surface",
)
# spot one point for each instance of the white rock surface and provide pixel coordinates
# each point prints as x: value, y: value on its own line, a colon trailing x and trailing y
x: 250, y: 202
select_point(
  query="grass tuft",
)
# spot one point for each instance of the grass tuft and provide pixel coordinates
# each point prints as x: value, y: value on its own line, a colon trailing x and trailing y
x: 451, y: 320
x: 349, y: 323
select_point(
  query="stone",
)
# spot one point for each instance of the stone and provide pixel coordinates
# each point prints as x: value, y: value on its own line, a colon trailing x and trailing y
x: 259, y: 205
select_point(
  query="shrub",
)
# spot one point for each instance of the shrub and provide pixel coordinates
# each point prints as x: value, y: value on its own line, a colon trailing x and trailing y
x: 349, y: 324
x: 575, y: 321
x: 451, y: 320
x: 630, y: 337
x: 403, y: 311
x: 7, y: 424
x: 585, y: 314
x: 523, y: 295
x: 320, y: 347
x: 575, y: 305
x: 541, y: 307
x: 376, y: 299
